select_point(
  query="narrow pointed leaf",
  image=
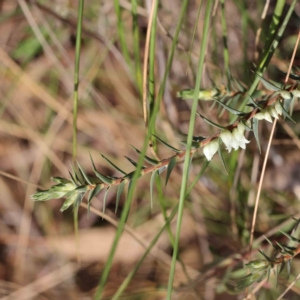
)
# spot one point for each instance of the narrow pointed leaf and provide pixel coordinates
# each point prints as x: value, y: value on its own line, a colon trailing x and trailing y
x: 282, y: 266
x: 170, y: 168
x: 268, y: 85
x: 255, y: 131
x: 73, y: 179
x: 286, y: 114
x: 153, y: 176
x: 265, y: 256
x: 148, y: 159
x: 105, y: 179
x: 92, y: 194
x: 230, y: 109
x: 133, y: 162
x: 254, y: 102
x: 117, y: 168
x: 221, y: 156
x: 119, y: 193
x: 290, y: 237
x: 104, y: 199
x: 60, y: 180
x: 83, y: 174
x: 169, y: 146
x: 288, y: 268
x: 211, y: 122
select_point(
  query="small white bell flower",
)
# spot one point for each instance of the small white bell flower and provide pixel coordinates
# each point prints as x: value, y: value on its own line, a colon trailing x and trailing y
x: 210, y: 149
x: 264, y: 114
x: 227, y: 138
x: 238, y: 139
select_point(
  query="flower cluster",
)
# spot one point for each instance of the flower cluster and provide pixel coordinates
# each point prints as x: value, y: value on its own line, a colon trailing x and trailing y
x: 270, y: 112
x: 232, y: 140
x: 236, y: 139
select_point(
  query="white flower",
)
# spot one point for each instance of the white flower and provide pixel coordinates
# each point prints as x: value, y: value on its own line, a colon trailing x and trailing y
x: 210, y: 149
x: 264, y: 114
x: 235, y: 139
x: 227, y: 138
x: 296, y: 93
x: 285, y: 94
x: 238, y: 138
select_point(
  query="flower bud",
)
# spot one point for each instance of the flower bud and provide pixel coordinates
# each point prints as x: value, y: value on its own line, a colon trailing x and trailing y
x: 210, y: 149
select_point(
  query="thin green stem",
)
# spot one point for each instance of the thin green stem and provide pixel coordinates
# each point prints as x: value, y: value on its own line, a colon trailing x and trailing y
x: 189, y: 144
x: 136, y: 48
x: 225, y: 44
x: 122, y: 39
x: 76, y: 76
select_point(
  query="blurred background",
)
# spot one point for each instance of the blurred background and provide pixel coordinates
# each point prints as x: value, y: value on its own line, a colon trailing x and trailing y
x: 38, y: 252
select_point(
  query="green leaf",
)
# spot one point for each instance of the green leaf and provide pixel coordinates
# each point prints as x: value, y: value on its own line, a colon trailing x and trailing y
x: 221, y: 156
x: 169, y: 146
x: 133, y: 162
x: 210, y: 122
x: 148, y: 159
x: 285, y: 113
x: 265, y: 256
x: 104, y: 199
x: 103, y: 178
x: 288, y: 268
x: 117, y: 168
x: 230, y: 109
x: 83, y: 174
x: 92, y: 194
x: 170, y: 168
x: 268, y: 85
x: 254, y: 102
x: 290, y: 237
x: 282, y: 266
x: 60, y: 180
x: 119, y: 193
x: 71, y: 199
x: 153, y: 176
x: 255, y: 131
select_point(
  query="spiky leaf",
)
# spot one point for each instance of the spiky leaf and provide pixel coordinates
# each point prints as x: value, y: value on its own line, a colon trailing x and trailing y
x: 170, y: 168
x: 285, y: 113
x: 83, y: 174
x: 119, y: 193
x: 103, y: 178
x: 148, y: 159
x: 255, y: 131
x: 92, y: 194
x: 104, y: 199
x: 230, y: 109
x: 169, y: 146
x: 112, y: 164
x: 133, y: 162
x: 210, y: 122
x: 268, y: 85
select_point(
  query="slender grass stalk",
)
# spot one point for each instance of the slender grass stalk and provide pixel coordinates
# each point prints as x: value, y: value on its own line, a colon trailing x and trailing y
x: 75, y: 107
x: 189, y: 144
x: 225, y: 44
x: 121, y: 34
x: 151, y: 77
x: 167, y: 220
x: 76, y: 76
x: 136, y: 48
